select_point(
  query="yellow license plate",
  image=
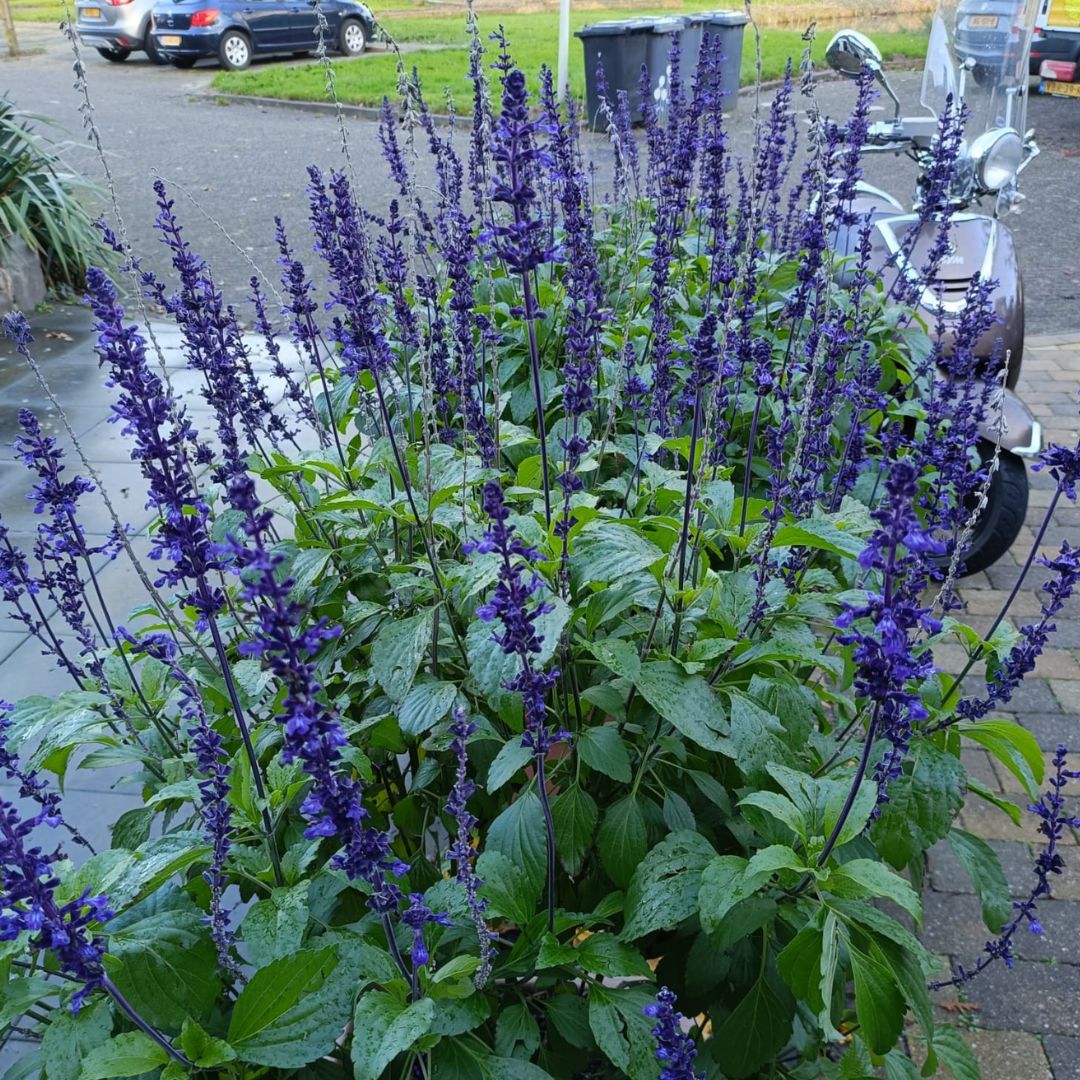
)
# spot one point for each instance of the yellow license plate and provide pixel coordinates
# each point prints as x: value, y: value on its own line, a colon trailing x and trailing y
x: 983, y: 22
x: 92, y: 12
x: 1066, y: 89
x: 169, y: 39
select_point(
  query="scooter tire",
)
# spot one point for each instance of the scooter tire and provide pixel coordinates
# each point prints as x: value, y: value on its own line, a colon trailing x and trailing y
x: 1002, y: 519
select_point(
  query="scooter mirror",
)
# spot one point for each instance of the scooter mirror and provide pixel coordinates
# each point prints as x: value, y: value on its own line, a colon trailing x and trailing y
x: 850, y: 51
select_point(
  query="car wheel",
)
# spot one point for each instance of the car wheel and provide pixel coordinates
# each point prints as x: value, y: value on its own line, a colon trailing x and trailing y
x: 152, y: 51
x: 183, y: 62
x: 115, y: 56
x: 234, y: 50
x: 352, y: 40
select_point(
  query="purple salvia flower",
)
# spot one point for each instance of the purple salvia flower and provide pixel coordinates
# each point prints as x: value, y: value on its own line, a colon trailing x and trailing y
x: 416, y: 916
x: 297, y: 394
x: 512, y: 605
x: 213, y: 344
x: 1022, y: 657
x: 28, y: 903
x: 461, y: 850
x: 162, y: 437
x: 313, y: 734
x: 1050, y: 809
x: 21, y: 590
x: 584, y: 299
x: 675, y: 1050
x: 885, y: 628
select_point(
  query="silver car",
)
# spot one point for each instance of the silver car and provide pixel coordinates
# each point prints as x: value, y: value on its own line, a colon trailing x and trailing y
x: 117, y: 28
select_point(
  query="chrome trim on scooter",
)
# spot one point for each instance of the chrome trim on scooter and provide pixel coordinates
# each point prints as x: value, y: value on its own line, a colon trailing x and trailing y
x: 863, y: 188
x: 1034, y: 448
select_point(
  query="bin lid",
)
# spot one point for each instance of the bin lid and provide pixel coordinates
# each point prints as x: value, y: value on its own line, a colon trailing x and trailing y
x: 613, y: 27
x: 669, y: 24
x: 722, y: 18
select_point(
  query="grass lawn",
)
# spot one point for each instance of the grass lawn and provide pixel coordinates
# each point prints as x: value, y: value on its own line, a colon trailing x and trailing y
x: 365, y: 81
x: 43, y: 11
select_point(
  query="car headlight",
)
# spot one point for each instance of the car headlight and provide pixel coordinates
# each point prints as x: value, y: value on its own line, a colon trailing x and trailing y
x: 996, y: 155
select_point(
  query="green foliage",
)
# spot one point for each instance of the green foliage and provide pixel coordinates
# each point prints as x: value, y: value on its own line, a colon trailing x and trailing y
x: 41, y: 201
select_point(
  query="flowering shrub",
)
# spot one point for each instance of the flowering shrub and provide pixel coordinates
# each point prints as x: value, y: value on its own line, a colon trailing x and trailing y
x: 536, y: 678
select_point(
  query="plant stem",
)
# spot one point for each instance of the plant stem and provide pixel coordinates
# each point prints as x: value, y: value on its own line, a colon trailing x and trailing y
x: 549, y: 826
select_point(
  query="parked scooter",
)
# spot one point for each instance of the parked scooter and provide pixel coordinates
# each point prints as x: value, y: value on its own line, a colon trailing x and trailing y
x: 978, y: 53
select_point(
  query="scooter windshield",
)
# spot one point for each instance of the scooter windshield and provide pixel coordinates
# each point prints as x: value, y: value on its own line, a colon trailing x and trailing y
x: 978, y: 51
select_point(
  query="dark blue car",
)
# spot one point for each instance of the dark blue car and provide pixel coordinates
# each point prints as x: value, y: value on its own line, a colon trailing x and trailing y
x: 234, y: 31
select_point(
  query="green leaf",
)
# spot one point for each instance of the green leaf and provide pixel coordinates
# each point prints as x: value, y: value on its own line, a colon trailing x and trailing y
x: 861, y: 879
x: 799, y: 964
x: 859, y: 815
x: 18, y: 995
x: 516, y: 1027
x: 606, y: 955
x: 569, y: 1015
x: 553, y: 953
x: 687, y: 702
x: 622, y: 840
x: 293, y: 1011
x: 68, y: 1039
x: 165, y: 963
x: 1015, y: 747
x: 955, y: 1054
x: 275, y: 927
x: 753, y: 1032
x: 500, y: 1068
x: 980, y: 861
x: 397, y: 651
x: 725, y: 883
x: 509, y: 761
x: 607, y: 1028
x: 385, y: 1027
x: 519, y: 834
x: 602, y: 749
x: 618, y: 656
x: 664, y: 888
x: 456, y: 1016
x: 757, y: 737
x: 130, y: 1054
x: 780, y: 807
x: 609, y: 551
x: 879, y: 1004
x: 922, y: 805
x: 202, y: 1049
x: 820, y: 534
x: 424, y: 706
x: 575, y: 815
x: 508, y: 890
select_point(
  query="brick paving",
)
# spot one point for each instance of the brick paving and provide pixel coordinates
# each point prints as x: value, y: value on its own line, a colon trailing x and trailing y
x: 1023, y: 1024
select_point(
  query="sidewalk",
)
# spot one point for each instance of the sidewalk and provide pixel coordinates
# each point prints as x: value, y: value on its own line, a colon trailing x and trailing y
x: 1024, y: 1024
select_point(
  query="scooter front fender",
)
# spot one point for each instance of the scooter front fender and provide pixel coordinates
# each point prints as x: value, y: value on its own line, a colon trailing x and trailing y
x: 1020, y: 433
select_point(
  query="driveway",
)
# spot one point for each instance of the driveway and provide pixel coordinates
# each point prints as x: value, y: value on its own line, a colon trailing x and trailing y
x: 245, y: 163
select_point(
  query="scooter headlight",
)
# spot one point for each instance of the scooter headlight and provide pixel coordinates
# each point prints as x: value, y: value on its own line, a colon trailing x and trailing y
x: 997, y: 155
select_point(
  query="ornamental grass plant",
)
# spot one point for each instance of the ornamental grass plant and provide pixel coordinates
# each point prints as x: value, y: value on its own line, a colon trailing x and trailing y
x: 536, y: 674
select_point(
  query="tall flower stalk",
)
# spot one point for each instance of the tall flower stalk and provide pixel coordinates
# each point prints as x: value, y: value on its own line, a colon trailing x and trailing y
x: 513, y: 607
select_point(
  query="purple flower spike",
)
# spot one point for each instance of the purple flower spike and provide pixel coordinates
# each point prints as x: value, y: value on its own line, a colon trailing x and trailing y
x: 313, y: 734
x: 1053, y: 821
x: 675, y: 1050
x: 461, y: 851
x: 28, y: 903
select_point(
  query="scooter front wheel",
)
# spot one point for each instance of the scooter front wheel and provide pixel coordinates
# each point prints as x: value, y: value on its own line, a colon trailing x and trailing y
x: 1006, y: 507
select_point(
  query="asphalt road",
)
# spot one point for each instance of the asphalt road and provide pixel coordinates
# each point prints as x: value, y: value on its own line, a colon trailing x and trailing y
x: 246, y: 163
